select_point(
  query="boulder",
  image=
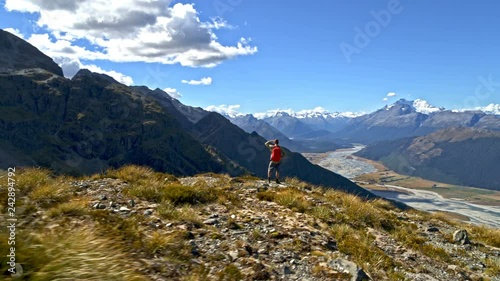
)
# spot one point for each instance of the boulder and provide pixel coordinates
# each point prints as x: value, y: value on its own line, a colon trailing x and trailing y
x: 353, y: 269
x: 461, y: 236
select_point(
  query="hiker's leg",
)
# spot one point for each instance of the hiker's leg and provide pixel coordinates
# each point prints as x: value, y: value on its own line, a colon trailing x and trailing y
x: 269, y: 171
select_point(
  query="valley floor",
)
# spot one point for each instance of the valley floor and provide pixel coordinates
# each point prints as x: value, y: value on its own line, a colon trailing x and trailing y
x: 477, y: 205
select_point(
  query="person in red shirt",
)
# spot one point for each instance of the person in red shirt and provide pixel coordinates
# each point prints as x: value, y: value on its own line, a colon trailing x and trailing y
x: 276, y: 155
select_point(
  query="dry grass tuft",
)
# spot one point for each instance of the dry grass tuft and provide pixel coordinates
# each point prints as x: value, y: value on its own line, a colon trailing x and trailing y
x: 356, y: 211
x: 31, y: 178
x: 51, y: 192
x: 80, y: 255
x: 359, y: 246
x: 484, y: 234
x: 73, y: 208
x: 178, y: 194
x: 187, y: 214
x: 292, y: 199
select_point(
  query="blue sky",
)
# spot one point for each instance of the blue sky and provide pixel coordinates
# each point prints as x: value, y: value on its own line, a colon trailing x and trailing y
x: 294, y: 54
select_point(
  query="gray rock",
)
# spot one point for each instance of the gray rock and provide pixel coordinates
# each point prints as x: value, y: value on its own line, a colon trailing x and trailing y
x: 211, y: 221
x: 124, y: 209
x: 194, y: 249
x: 148, y: 212
x: 131, y: 203
x: 331, y: 245
x: 233, y: 255
x: 103, y: 197
x: 287, y: 270
x: 347, y: 266
x: 99, y: 206
x: 461, y: 236
x: 432, y: 229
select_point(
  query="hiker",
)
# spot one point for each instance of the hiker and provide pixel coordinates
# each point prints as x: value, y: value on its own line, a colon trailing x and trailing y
x: 276, y: 154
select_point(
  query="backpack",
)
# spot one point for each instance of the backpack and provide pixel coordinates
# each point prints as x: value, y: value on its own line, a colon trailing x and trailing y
x: 276, y: 154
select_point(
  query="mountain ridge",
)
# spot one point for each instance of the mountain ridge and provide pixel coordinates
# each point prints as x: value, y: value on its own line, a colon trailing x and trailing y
x: 461, y: 156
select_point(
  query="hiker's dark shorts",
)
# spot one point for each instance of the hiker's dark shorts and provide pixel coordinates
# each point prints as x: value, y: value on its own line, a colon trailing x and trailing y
x: 274, y: 165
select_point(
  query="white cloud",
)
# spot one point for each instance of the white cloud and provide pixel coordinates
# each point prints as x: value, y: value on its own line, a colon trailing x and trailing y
x: 173, y: 93
x: 14, y: 31
x: 385, y: 99
x: 202, y: 81
x: 391, y: 94
x: 229, y: 110
x: 130, y: 31
x: 71, y: 66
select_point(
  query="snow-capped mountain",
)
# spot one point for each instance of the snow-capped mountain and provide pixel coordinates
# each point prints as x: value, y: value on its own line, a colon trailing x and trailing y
x: 318, y: 112
x: 418, y: 105
x: 403, y: 118
x: 491, y: 109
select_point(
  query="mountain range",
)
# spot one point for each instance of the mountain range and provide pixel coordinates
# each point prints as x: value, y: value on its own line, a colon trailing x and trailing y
x: 399, y: 120
x: 91, y: 122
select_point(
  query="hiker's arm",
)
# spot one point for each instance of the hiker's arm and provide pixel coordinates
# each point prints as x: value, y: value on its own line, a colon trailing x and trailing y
x: 282, y: 153
x: 269, y: 145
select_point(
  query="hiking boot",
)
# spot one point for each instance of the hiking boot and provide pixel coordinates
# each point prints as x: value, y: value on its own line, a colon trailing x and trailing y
x: 278, y: 181
x: 269, y: 180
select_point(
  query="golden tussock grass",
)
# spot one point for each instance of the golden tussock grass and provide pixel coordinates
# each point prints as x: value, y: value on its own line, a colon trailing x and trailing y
x: 77, y: 254
x: 359, y: 246
x: 172, y: 245
x: 32, y: 178
x: 77, y: 207
x: 55, y: 191
x: 186, y: 213
x: 356, y: 211
x: 487, y: 235
x: 292, y: 199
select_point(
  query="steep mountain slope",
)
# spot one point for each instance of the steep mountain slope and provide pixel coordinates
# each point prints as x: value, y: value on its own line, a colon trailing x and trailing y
x: 391, y: 122
x: 250, y: 124
x: 15, y: 53
x: 91, y: 122
x: 288, y: 125
x: 87, y: 124
x: 462, y: 156
x: 301, y: 144
x: 447, y: 119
